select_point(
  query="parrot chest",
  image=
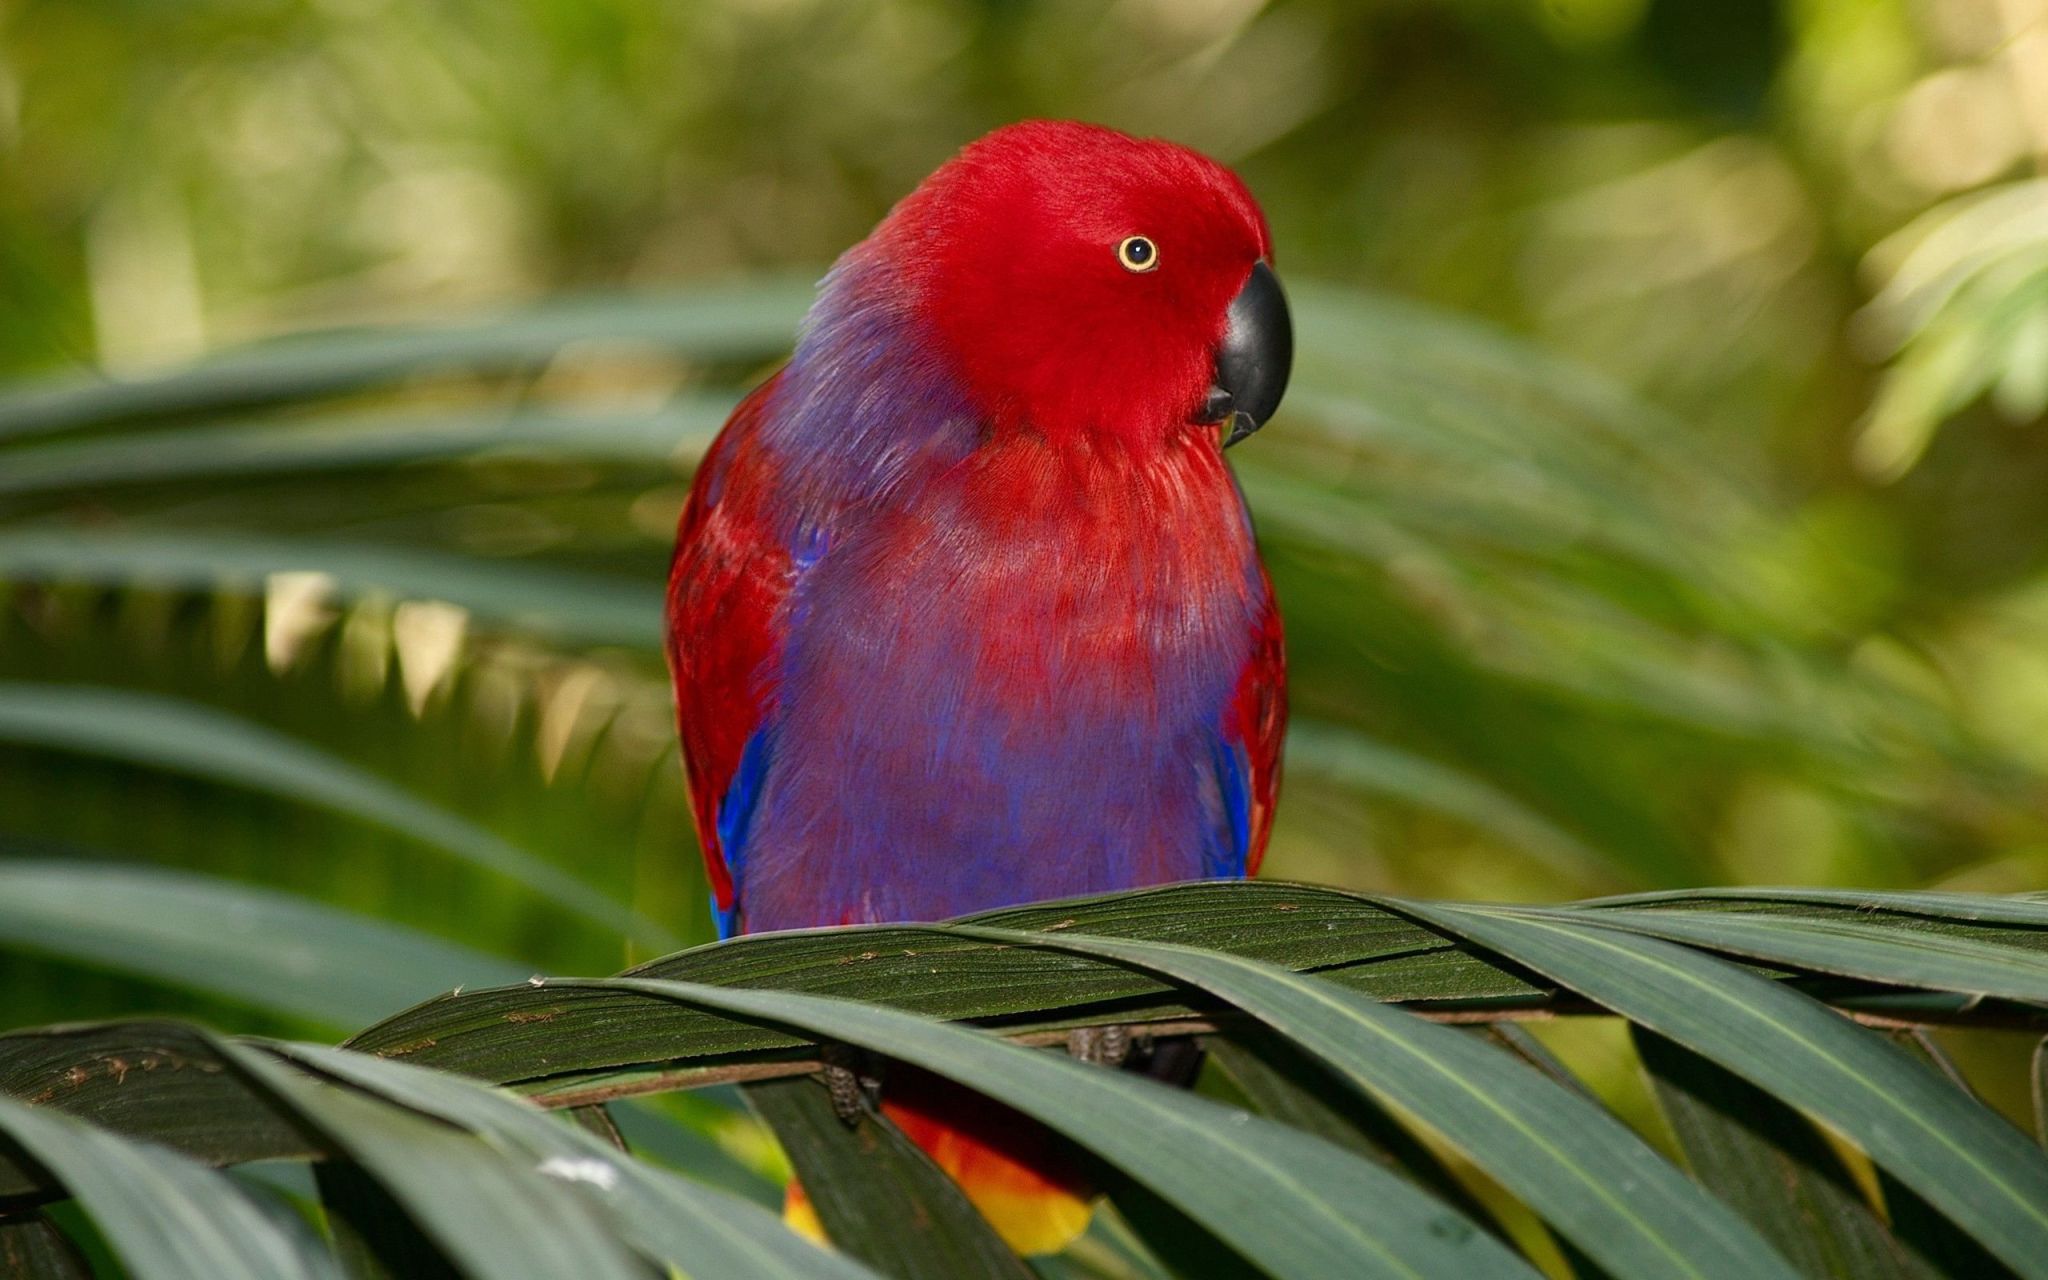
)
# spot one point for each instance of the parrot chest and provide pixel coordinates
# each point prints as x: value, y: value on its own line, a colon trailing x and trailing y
x: 1008, y: 685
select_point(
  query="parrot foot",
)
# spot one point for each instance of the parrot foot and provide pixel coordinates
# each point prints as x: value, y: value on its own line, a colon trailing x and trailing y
x: 854, y: 1079
x: 1100, y: 1046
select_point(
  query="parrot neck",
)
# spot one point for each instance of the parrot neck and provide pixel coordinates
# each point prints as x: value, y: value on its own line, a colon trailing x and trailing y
x: 867, y: 400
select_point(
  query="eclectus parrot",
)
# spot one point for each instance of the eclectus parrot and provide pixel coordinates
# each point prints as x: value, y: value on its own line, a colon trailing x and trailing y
x: 966, y: 609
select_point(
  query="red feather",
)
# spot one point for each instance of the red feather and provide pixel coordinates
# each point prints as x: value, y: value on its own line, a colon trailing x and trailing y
x: 1259, y: 714
x: 726, y: 583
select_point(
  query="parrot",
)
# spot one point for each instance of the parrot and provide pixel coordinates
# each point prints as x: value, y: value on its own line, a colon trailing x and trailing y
x: 966, y: 608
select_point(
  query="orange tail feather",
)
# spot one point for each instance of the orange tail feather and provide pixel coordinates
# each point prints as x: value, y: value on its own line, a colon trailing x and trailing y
x: 1013, y: 1170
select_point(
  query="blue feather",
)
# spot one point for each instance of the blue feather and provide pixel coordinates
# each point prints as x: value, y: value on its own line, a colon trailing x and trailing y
x: 1225, y: 860
x: 735, y: 815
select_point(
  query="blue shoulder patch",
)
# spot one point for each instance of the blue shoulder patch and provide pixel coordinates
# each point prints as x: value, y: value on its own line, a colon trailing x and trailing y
x: 1229, y: 853
x: 735, y: 815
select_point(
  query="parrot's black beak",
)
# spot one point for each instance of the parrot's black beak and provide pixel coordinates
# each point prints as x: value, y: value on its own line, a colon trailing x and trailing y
x: 1254, y: 360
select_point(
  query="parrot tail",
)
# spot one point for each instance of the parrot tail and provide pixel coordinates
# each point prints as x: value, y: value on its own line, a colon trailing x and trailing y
x: 1014, y: 1170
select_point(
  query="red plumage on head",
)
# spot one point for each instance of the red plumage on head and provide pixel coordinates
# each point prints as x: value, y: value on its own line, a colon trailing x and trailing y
x: 1012, y: 247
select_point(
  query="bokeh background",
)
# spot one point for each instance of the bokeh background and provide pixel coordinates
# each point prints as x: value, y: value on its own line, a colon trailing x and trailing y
x: 1663, y: 498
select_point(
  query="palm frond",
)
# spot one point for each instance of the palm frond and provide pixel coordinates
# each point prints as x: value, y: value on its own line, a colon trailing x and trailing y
x: 1276, y: 976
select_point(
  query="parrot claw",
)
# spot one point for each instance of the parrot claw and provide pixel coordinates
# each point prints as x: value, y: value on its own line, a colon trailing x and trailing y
x: 854, y: 1079
x: 1100, y: 1046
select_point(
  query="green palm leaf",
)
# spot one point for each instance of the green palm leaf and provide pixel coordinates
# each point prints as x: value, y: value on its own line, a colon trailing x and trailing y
x: 276, y: 951
x: 1293, y: 1204
x: 1773, y: 1166
x: 187, y: 738
x: 880, y: 1198
x: 744, y: 322
x: 689, y: 1226
x: 1962, y: 1158
x: 1562, y: 1155
x: 167, y: 1217
x: 1311, y: 966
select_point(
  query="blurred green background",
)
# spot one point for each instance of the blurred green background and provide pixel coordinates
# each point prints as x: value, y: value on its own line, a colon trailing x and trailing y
x: 1663, y: 498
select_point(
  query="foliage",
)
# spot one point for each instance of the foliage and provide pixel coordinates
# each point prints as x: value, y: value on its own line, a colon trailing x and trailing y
x: 1338, y: 1013
x: 1961, y: 306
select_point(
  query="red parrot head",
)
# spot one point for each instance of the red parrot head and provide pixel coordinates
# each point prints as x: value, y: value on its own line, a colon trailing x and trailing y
x: 1086, y: 283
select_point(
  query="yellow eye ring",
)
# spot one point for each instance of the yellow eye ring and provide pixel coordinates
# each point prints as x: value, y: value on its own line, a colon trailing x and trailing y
x: 1138, y: 254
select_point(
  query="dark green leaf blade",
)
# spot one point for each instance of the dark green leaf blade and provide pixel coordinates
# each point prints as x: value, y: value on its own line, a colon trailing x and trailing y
x: 1560, y: 1154
x: 1898, y: 956
x: 1985, y: 908
x: 165, y: 1215
x: 879, y: 1197
x: 1284, y: 1083
x: 490, y: 1215
x: 494, y: 1034
x: 1970, y: 1163
x: 1345, y: 938
x: 695, y: 1228
x: 1932, y: 1237
x: 1765, y: 1160
x: 596, y: 1120
x: 32, y: 1248
x: 1295, y: 1205
x: 193, y: 1101
x: 372, y: 1236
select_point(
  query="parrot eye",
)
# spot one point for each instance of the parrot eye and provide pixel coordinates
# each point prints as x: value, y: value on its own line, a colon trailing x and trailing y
x: 1137, y: 254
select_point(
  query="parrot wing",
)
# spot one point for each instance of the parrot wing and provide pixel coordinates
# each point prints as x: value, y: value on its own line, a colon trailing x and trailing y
x: 727, y: 584
x: 1253, y: 729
